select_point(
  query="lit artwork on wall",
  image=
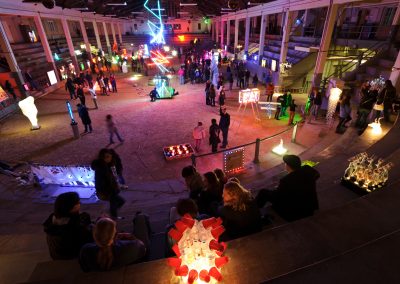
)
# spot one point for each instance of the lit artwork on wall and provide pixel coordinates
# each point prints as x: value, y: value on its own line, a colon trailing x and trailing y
x: 199, y: 254
x: 30, y: 111
x: 157, y: 27
x: 233, y: 160
x: 52, y: 77
x: 249, y: 96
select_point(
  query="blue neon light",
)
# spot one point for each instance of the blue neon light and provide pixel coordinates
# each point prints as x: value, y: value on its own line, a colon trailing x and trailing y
x: 71, y: 114
x: 156, y: 28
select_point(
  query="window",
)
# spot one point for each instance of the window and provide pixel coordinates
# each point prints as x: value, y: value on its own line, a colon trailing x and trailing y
x: 52, y: 26
x: 199, y: 26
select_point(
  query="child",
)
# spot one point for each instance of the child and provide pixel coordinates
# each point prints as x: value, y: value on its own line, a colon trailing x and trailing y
x: 112, y: 129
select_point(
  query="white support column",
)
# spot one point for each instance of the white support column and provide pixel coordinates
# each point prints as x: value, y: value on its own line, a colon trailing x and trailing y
x: 113, y: 33
x: 222, y: 34
x: 12, y: 62
x: 96, y: 33
x: 262, y: 37
x: 213, y: 30
x: 236, y: 34
x: 217, y: 31
x: 85, y: 38
x: 247, y: 34
x: 325, y: 44
x: 45, y: 44
x: 228, y: 32
x: 70, y: 44
x: 107, y: 38
x: 119, y: 32
x: 286, y: 35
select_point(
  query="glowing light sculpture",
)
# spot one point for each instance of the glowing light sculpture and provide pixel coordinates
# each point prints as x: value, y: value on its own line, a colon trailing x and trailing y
x: 157, y: 28
x: 159, y: 60
x: 30, y: 111
x: 279, y: 150
x: 199, y: 254
x: 376, y: 127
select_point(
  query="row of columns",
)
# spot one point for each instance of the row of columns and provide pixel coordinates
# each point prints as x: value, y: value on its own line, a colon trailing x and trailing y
x: 287, y: 24
x: 12, y: 62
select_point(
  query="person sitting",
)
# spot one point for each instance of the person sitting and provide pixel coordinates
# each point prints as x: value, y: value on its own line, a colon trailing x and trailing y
x: 211, y: 196
x: 193, y: 181
x: 239, y: 213
x: 154, y: 95
x: 296, y: 195
x: 221, y: 178
x: 67, y: 230
x: 110, y: 250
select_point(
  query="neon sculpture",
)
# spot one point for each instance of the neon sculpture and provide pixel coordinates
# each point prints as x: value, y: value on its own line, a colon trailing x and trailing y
x: 279, y: 150
x: 249, y: 96
x: 29, y: 109
x: 71, y: 114
x: 199, y: 254
x: 156, y: 29
x: 159, y: 60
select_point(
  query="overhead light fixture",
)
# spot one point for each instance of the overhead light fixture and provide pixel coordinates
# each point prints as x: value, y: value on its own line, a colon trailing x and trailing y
x: 227, y: 9
x: 116, y: 4
x: 111, y: 15
x: 187, y: 4
x: 156, y: 9
x: 136, y: 12
x: 253, y: 4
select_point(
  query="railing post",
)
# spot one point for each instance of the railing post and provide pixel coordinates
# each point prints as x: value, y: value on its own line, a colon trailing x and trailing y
x: 257, y: 151
x: 294, y: 133
x: 193, y: 157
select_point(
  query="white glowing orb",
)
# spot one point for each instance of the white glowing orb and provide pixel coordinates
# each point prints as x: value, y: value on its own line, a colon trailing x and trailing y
x: 376, y: 127
x: 280, y: 150
x: 174, y: 53
x: 167, y: 48
x: 30, y: 111
x: 249, y: 96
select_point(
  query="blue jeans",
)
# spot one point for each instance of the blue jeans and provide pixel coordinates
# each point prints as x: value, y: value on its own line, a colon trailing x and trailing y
x: 112, y: 136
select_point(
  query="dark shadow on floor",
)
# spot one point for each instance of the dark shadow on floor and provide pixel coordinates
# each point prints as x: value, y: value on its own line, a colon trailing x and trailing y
x: 47, y: 149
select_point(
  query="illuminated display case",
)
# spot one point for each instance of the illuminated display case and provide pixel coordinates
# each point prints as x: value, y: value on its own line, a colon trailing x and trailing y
x: 178, y: 151
x: 249, y: 96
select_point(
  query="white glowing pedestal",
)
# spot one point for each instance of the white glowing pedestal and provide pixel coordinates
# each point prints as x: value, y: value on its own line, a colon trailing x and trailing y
x: 30, y: 111
x: 376, y: 127
x: 280, y: 150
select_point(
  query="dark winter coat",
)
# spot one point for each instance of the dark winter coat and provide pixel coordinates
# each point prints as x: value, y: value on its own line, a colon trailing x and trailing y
x: 84, y: 114
x: 65, y: 241
x: 104, y: 180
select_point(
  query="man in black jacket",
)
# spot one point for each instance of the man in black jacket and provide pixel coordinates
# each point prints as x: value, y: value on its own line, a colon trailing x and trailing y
x: 296, y: 195
x: 67, y: 229
x: 224, y: 123
x: 214, y: 135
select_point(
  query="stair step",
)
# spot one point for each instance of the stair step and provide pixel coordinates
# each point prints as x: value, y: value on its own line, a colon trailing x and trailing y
x: 386, y: 63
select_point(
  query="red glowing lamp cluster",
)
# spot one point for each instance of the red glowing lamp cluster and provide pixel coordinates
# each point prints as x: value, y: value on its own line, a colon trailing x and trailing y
x: 178, y: 151
x: 203, y: 271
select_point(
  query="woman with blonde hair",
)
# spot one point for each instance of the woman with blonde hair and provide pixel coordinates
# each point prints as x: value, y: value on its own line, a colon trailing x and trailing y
x: 110, y: 250
x: 239, y: 213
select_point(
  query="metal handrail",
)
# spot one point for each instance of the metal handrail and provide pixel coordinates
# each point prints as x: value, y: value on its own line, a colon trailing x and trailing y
x: 194, y: 156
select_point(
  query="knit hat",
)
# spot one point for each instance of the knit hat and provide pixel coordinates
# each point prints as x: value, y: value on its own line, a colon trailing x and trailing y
x: 292, y: 161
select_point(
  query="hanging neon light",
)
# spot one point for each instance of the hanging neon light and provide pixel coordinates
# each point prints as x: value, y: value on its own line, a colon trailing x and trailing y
x: 159, y: 60
x: 156, y: 28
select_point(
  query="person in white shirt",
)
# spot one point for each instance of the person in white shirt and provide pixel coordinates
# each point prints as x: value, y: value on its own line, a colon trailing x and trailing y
x: 199, y: 134
x: 93, y: 95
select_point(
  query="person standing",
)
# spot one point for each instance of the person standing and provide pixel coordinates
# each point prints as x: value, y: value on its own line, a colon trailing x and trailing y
x: 224, y: 123
x: 69, y: 85
x: 292, y: 112
x: 207, y: 92
x: 113, y: 83
x: 344, y: 114
x: 31, y: 81
x: 386, y: 97
x: 230, y: 80
x: 106, y: 83
x: 222, y: 96
x: 199, y: 133
x: 214, y: 135
x: 112, y: 129
x: 255, y: 80
x: 181, y: 73
x: 212, y: 95
x: 247, y: 76
x: 84, y: 115
x: 81, y: 95
x: 103, y: 86
x: 89, y: 79
x: 284, y: 105
x: 94, y: 96
x: 105, y: 180
x: 269, y: 91
x: 280, y: 100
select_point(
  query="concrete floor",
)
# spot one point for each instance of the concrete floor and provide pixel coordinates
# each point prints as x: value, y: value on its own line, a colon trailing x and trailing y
x: 154, y: 183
